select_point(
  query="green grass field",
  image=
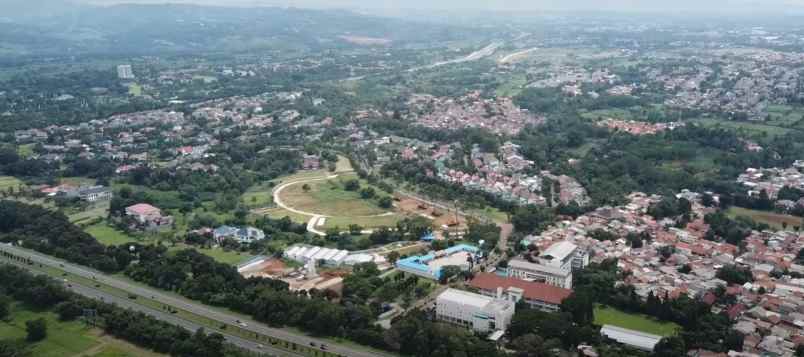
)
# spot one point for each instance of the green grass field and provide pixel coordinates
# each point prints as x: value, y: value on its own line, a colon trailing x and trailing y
x: 773, y: 219
x: 756, y: 129
x: 330, y: 198
x: 230, y: 257
x: 611, y: 316
x: 25, y: 151
x: 343, y: 164
x: 10, y: 181
x: 366, y: 222
x: 67, y: 338
x: 97, y: 210
x: 258, y: 196
x: 78, y: 181
x: 135, y: 89
x: 511, y: 87
x: 109, y: 236
x: 622, y: 114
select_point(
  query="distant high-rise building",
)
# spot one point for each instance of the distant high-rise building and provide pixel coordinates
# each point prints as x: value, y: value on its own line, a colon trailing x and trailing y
x: 124, y: 71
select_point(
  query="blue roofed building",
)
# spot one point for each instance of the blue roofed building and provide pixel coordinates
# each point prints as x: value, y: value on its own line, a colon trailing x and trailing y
x: 430, y: 265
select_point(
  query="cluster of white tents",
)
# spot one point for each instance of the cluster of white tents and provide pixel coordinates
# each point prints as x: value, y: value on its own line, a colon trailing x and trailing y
x: 328, y: 256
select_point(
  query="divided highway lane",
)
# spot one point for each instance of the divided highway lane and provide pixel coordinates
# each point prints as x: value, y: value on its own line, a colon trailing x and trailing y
x: 186, y: 305
x: 93, y: 293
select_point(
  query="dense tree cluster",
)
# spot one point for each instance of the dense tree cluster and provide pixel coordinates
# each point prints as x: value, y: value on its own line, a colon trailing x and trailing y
x: 52, y: 233
x: 733, y: 231
x: 670, y: 207
x: 44, y: 293
x: 733, y: 274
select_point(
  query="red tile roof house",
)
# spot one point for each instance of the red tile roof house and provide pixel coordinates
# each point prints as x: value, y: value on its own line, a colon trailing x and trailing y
x: 537, y: 295
x: 143, y: 212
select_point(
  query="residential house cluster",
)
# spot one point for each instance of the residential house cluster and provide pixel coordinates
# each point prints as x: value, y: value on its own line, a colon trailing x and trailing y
x: 497, y: 115
x: 638, y: 127
x: 504, y: 175
x: 771, y: 180
x: 769, y: 310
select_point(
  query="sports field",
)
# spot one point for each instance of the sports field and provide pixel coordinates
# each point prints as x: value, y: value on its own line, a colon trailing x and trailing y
x: 606, y: 315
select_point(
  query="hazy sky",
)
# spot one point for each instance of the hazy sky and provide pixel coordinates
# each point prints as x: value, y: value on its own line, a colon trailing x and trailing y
x: 708, y: 6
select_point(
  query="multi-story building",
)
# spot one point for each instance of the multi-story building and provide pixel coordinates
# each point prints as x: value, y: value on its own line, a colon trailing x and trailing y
x: 474, y: 311
x: 554, y: 266
x: 95, y: 193
x: 565, y: 254
x: 525, y: 270
x: 537, y: 295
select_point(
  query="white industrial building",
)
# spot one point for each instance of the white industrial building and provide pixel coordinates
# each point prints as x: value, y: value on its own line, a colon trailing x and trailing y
x: 480, y: 313
x: 636, y: 339
x: 328, y: 256
x: 554, y: 266
x: 124, y: 71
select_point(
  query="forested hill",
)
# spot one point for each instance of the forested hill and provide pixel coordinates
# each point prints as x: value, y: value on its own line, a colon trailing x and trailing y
x: 151, y: 29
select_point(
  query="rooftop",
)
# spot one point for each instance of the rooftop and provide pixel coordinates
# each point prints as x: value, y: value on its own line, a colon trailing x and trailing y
x: 532, y: 290
x: 465, y: 298
x: 560, y: 250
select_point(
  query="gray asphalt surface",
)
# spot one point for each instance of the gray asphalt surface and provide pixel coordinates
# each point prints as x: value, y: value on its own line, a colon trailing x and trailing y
x: 184, y: 304
x: 93, y: 293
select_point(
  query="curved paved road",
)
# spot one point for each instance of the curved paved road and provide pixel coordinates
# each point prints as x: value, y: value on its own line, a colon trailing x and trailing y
x: 184, y: 304
x: 314, y: 217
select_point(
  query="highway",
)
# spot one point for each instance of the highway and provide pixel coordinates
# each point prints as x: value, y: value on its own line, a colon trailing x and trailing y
x: 93, y: 293
x: 184, y: 304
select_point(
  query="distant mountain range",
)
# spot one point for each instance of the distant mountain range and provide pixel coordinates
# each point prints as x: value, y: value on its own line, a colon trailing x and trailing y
x: 61, y: 27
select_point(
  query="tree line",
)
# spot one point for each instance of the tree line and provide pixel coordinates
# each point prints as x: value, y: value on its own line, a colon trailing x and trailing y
x: 43, y: 293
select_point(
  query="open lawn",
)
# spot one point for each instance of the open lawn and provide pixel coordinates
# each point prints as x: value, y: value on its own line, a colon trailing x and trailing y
x: 78, y: 181
x: 343, y: 164
x: 773, y: 219
x: 108, y: 235
x: 10, y: 181
x: 97, y: 210
x: 330, y: 198
x: 512, y: 86
x: 25, y: 151
x: 622, y: 114
x: 135, y: 89
x: 606, y: 315
x: 258, y: 196
x: 751, y: 128
x: 230, y: 257
x: 365, y: 222
x: 277, y: 213
x: 67, y: 338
